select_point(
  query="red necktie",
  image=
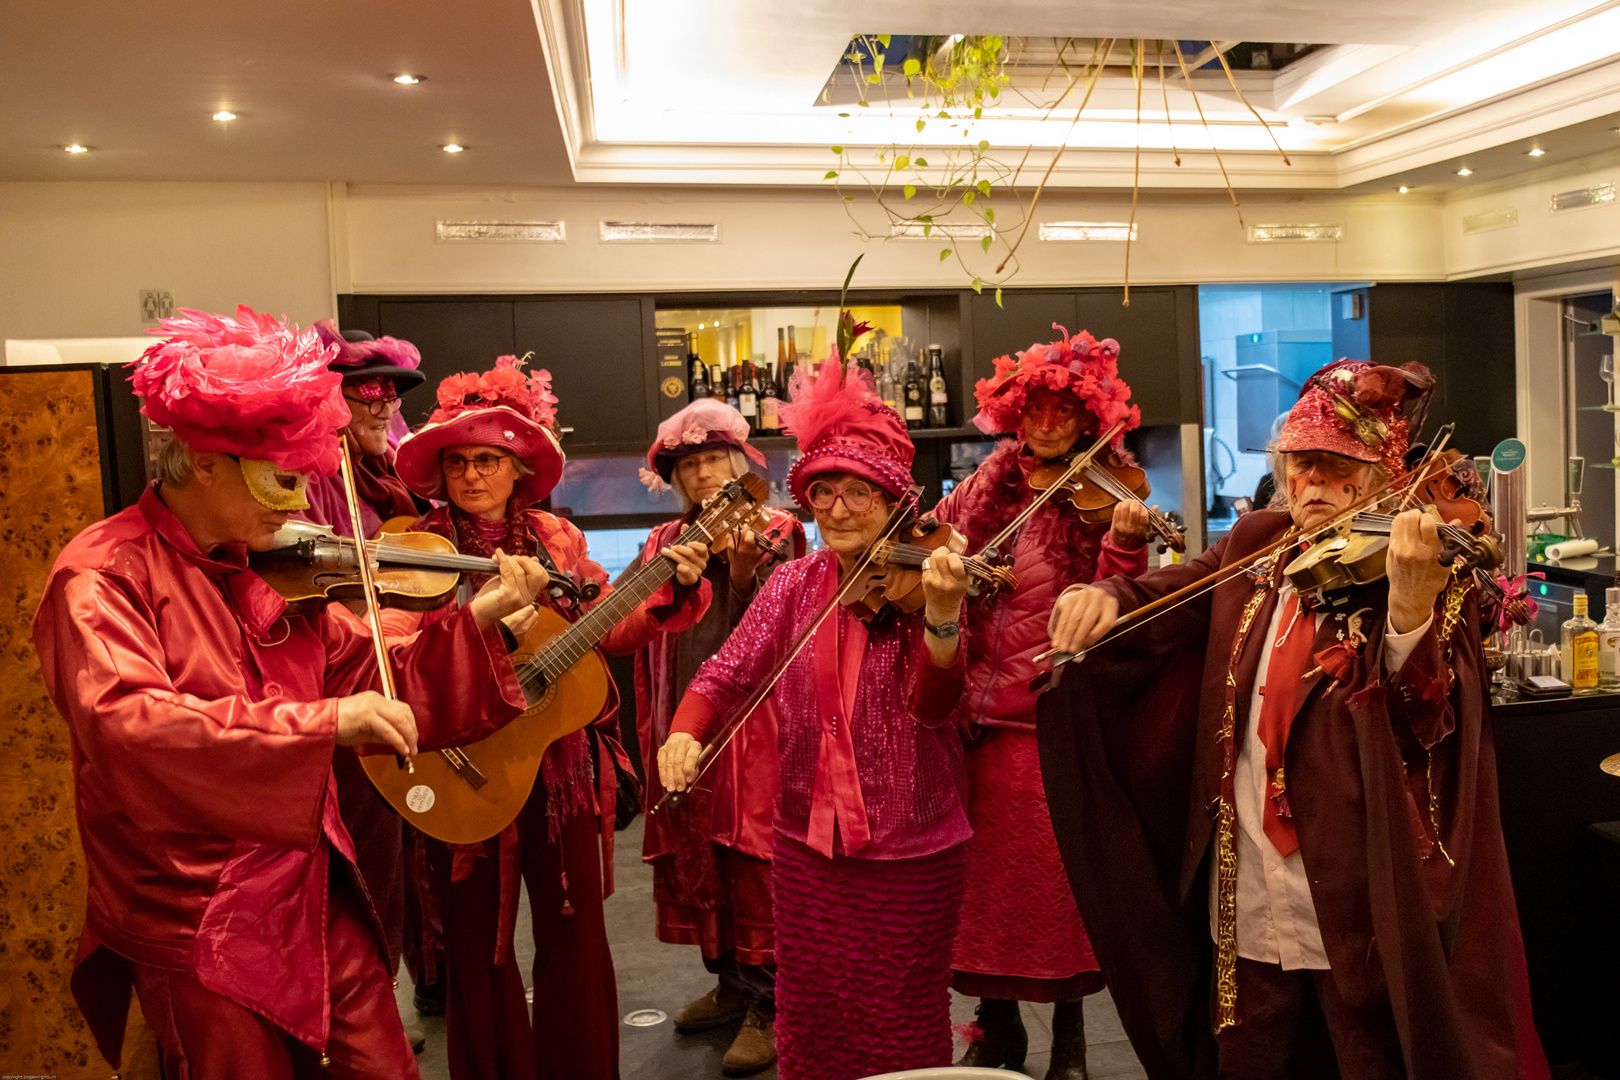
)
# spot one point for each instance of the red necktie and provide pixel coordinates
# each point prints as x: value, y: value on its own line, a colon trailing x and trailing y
x: 1290, y: 653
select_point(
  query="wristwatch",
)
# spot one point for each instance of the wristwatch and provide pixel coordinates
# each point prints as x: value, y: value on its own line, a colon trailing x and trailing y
x: 943, y: 630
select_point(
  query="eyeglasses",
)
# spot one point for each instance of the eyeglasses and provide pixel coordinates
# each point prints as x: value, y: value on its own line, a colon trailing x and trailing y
x: 857, y: 495
x: 486, y: 464
x: 379, y: 408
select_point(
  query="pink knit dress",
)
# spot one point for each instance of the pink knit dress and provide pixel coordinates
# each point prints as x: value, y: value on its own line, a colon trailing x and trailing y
x: 870, y: 826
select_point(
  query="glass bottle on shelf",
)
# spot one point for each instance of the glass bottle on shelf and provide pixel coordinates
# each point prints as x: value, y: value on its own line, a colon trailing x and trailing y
x: 914, y: 397
x: 717, y: 382
x: 748, y: 395
x: 770, y: 420
x: 792, y: 347
x: 1609, y: 642
x: 697, y: 383
x: 781, y: 348
x: 1578, y: 647
x: 888, y: 389
x: 938, y: 395
x: 732, y: 383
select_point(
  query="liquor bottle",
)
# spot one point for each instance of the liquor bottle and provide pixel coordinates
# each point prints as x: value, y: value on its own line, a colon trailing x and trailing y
x: 1609, y: 642
x: 717, y: 382
x: 914, y: 396
x: 887, y: 389
x: 938, y: 395
x: 1578, y: 643
x: 748, y: 395
x: 770, y: 420
x: 698, y: 384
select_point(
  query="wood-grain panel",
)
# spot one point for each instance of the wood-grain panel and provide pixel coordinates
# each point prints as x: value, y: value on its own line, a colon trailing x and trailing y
x: 51, y: 474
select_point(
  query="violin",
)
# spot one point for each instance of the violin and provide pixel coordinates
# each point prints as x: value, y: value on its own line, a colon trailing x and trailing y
x: 1102, y: 484
x: 1353, y: 553
x: 893, y: 573
x: 311, y: 566
x: 888, y: 574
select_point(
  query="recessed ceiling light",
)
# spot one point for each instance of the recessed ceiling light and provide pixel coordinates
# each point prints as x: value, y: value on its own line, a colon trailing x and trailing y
x: 406, y: 79
x: 703, y: 326
x: 224, y: 114
x: 452, y: 148
x: 1534, y: 151
x: 1465, y: 171
x: 77, y: 149
x: 1404, y: 189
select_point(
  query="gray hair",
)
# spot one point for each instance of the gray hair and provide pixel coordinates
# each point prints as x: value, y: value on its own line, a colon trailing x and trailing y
x: 739, y: 465
x: 1379, y: 477
x: 172, y: 465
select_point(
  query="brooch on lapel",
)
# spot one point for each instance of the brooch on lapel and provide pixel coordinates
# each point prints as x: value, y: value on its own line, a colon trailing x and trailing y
x: 1338, y: 659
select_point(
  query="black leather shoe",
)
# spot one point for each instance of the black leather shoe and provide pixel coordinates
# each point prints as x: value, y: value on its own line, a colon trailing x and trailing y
x: 1002, y: 1041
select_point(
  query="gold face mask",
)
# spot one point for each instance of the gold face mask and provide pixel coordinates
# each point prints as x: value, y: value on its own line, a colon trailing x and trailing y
x: 273, y: 487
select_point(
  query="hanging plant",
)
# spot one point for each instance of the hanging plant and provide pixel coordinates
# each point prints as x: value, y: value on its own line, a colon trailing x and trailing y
x: 964, y: 76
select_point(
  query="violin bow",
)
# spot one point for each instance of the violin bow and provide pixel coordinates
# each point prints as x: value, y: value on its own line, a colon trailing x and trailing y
x: 1077, y: 465
x: 385, y: 673
x: 904, y: 506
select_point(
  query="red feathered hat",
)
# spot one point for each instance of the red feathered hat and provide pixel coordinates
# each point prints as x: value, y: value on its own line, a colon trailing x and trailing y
x: 842, y: 426
x: 1359, y: 410
x: 500, y: 408
x: 1081, y: 365
x: 253, y: 386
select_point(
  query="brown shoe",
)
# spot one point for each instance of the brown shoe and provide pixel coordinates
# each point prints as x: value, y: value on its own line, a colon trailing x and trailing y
x: 719, y: 1006
x: 754, y: 1048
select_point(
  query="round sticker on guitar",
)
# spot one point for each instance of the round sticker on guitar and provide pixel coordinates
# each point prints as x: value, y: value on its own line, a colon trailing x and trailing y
x: 419, y: 798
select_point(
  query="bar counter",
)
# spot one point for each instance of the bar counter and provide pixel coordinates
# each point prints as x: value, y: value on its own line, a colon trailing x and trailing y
x: 1565, y: 865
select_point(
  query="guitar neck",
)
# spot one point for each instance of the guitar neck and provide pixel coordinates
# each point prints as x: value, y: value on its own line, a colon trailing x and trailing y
x: 565, y: 650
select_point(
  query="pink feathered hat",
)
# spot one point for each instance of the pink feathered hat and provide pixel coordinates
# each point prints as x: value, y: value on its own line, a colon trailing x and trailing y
x: 842, y: 426
x: 1080, y: 364
x: 1359, y: 410
x: 362, y: 358
x: 253, y: 386
x: 705, y: 424
x: 500, y: 408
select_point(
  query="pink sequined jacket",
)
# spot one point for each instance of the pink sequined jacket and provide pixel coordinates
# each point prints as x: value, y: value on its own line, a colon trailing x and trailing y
x: 203, y: 726
x: 1052, y: 551
x: 871, y: 763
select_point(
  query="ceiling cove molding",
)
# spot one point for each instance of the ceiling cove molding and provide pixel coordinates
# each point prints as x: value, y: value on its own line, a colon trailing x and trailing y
x: 1560, y: 100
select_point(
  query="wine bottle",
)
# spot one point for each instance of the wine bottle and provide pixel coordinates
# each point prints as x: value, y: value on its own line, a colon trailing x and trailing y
x: 770, y: 421
x: 698, y: 383
x: 717, y: 382
x: 782, y: 356
x: 938, y: 395
x: 793, y: 347
x: 748, y: 395
x: 731, y: 388
x: 887, y: 390
x: 914, y: 396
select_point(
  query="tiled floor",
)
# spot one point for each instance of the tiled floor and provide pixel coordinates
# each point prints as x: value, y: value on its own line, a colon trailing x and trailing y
x: 653, y: 975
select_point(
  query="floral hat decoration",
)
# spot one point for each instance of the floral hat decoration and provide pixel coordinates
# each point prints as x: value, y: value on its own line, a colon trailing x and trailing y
x: 503, y: 408
x: 1078, y: 364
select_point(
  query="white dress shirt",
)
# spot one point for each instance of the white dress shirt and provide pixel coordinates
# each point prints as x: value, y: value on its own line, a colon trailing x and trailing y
x: 1276, y: 920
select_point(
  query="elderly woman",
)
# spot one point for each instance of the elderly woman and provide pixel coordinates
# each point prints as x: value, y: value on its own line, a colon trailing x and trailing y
x: 711, y: 862
x: 870, y: 830
x: 490, y: 451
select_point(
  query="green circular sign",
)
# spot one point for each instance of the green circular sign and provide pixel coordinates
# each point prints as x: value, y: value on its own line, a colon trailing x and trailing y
x: 1508, y: 455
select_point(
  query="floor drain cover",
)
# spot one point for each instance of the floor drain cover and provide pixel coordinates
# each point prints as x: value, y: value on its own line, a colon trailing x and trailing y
x: 646, y: 1017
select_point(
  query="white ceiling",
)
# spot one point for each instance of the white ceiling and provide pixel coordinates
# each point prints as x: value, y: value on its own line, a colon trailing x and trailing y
x: 548, y: 92
x: 139, y: 80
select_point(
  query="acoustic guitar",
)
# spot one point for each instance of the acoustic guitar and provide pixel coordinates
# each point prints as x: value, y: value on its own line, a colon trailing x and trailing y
x: 468, y: 794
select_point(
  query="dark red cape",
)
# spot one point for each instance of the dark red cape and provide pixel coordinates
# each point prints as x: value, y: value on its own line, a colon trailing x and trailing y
x: 1132, y: 756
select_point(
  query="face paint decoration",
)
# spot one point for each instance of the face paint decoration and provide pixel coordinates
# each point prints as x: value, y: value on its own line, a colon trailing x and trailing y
x: 273, y: 487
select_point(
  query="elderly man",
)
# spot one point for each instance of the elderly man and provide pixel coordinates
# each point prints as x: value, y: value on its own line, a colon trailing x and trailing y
x: 1293, y: 825
x: 222, y: 882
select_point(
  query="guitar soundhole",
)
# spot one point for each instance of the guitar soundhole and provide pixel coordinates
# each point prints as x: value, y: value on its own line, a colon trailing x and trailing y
x: 549, y: 691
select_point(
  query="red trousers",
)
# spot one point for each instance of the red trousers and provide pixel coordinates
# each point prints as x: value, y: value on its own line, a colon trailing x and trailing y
x: 201, y: 1035
x: 1294, y: 1025
x: 574, y: 1034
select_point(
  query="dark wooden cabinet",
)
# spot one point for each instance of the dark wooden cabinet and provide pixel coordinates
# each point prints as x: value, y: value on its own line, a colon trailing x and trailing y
x: 1157, y: 335
x: 598, y: 355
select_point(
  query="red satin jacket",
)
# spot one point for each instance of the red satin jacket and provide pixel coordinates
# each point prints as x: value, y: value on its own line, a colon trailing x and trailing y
x: 203, y: 726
